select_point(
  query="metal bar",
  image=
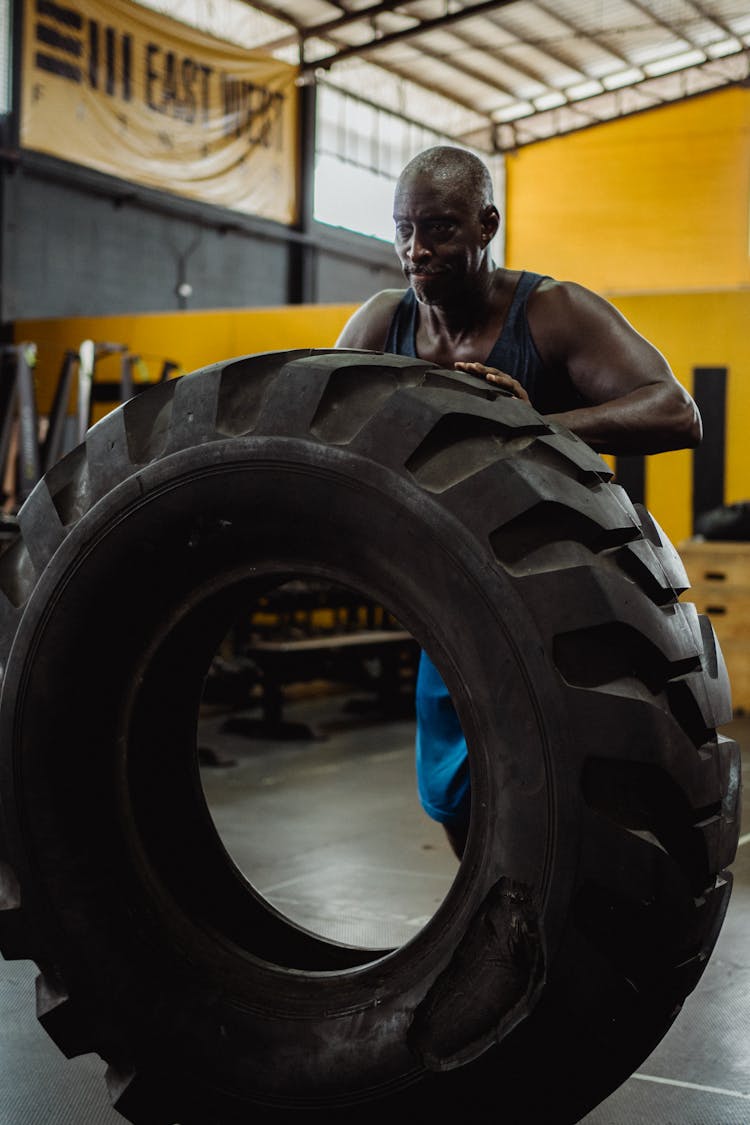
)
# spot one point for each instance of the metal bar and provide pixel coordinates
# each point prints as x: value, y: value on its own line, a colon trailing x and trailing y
x: 8, y: 398
x: 408, y: 33
x: 320, y: 30
x: 86, y: 362
x: 52, y: 448
x: 126, y: 376
x: 29, y: 462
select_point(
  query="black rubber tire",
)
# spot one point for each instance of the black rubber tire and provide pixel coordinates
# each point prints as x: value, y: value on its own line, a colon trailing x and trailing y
x: 604, y: 802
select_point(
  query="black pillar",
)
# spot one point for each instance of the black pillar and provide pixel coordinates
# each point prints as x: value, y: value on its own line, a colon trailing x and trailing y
x: 302, y: 286
x: 709, y: 392
x: 630, y: 472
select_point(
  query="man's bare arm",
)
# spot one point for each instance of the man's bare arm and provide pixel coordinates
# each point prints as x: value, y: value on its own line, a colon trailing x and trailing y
x: 367, y: 328
x: 634, y: 404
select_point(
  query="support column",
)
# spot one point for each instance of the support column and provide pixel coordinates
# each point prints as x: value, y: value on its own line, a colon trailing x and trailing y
x: 302, y: 287
x: 710, y: 394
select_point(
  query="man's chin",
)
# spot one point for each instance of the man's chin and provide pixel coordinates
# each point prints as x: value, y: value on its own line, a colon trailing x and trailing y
x: 430, y: 289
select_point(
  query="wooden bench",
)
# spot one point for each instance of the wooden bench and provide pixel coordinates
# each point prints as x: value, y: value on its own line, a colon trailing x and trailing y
x: 339, y: 657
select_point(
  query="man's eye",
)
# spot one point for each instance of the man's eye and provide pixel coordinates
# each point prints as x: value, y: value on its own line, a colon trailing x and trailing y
x: 403, y: 230
x: 440, y: 227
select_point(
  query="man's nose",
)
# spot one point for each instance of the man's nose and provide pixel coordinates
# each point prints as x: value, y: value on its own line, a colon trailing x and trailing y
x: 418, y: 249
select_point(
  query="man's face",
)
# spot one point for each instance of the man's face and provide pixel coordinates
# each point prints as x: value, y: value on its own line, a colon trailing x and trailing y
x: 441, y: 236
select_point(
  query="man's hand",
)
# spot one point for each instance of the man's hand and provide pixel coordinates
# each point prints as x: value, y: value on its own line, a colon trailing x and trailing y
x: 497, y: 378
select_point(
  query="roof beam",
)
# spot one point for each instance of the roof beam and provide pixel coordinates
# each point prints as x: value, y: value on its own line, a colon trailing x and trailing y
x: 320, y: 30
x: 397, y: 36
x: 715, y: 20
x: 577, y: 30
x: 672, y: 27
x: 506, y: 56
x: 433, y: 88
x: 390, y: 68
x: 514, y: 127
x: 467, y: 71
x: 281, y: 17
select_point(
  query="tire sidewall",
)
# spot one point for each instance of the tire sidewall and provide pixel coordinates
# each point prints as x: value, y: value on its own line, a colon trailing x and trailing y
x: 440, y: 581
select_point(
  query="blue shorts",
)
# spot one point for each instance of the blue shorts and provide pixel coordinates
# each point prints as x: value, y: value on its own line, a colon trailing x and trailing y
x: 442, y: 755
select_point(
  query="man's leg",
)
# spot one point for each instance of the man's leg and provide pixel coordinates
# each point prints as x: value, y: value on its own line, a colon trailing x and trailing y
x: 457, y: 834
x: 441, y: 756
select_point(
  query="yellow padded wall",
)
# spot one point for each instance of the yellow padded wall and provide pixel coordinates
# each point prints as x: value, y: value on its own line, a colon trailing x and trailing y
x: 698, y: 330
x: 693, y: 330
x: 191, y: 339
x: 654, y: 202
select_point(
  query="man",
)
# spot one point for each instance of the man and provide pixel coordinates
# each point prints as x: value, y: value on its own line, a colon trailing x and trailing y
x: 555, y: 344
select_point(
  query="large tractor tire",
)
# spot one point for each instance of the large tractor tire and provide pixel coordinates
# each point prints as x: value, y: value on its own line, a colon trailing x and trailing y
x: 604, y: 801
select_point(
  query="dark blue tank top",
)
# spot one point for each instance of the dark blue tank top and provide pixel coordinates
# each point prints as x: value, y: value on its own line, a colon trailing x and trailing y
x: 514, y: 352
x: 441, y: 752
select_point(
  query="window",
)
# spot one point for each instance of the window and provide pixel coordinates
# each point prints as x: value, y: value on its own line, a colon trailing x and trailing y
x: 360, y: 151
x: 361, y: 146
x: 6, y: 57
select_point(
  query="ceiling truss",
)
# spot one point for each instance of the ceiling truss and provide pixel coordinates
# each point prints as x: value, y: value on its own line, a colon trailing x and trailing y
x: 522, y: 70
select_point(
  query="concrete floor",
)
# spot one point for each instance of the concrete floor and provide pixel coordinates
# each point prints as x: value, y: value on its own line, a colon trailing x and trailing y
x: 359, y: 861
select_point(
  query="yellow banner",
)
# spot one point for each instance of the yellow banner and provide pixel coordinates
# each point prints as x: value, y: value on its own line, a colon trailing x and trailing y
x: 132, y: 93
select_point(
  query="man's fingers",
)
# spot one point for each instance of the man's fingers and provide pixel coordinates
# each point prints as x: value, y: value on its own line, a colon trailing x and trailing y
x: 498, y: 378
x: 507, y: 383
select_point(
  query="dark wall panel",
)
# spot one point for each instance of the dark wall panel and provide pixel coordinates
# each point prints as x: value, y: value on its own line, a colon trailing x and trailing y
x: 72, y: 252
x: 78, y: 244
x: 350, y: 268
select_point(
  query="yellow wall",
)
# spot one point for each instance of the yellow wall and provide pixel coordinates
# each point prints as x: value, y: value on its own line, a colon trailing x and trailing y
x: 191, y: 339
x: 654, y: 202
x: 697, y: 330
x: 692, y: 330
x: 652, y: 211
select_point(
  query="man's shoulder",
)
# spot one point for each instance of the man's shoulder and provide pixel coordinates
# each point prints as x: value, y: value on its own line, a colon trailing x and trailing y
x: 368, y: 327
x: 385, y: 301
x: 565, y: 315
x: 552, y: 289
x: 562, y: 302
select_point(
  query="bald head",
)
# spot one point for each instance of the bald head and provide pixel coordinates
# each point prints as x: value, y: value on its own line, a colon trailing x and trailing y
x: 447, y: 166
x: 445, y: 221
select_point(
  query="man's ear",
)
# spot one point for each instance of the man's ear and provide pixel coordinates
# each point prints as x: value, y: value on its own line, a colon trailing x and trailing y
x: 490, y: 220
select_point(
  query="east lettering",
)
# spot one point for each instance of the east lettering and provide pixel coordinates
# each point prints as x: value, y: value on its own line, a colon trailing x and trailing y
x: 176, y: 85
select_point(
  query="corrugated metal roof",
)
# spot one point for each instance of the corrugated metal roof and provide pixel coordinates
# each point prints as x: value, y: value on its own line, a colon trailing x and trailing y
x: 501, y: 74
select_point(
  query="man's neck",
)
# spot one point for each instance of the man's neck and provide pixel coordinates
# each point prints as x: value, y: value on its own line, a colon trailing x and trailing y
x: 465, y: 315
x: 467, y: 329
